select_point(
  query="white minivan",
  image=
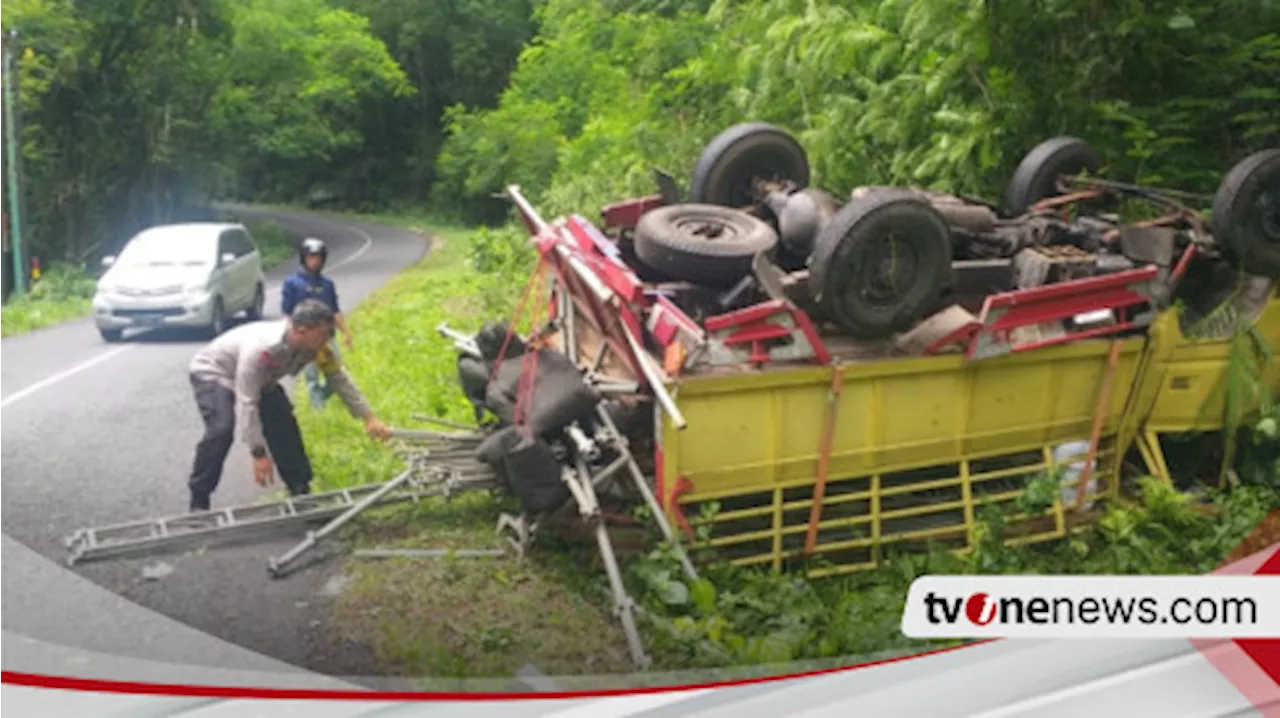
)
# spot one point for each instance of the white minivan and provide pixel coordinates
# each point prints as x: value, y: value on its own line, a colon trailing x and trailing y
x: 195, y: 274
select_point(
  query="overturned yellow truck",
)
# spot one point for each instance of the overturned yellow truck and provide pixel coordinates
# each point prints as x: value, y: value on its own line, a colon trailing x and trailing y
x: 826, y: 418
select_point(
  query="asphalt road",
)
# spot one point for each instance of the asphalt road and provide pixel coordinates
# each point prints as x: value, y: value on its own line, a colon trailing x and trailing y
x: 95, y: 433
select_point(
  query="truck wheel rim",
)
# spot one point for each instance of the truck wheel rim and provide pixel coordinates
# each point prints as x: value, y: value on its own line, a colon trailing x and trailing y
x: 887, y: 274
x: 1268, y: 206
x: 708, y: 230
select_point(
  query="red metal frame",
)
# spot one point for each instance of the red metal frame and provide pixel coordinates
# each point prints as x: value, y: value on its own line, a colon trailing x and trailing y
x: 1004, y: 312
x: 626, y: 214
x: 667, y: 322
x: 602, y: 315
x: 752, y: 325
x: 605, y: 258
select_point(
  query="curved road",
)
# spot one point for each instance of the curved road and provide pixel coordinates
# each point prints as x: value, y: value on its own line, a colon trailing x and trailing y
x: 95, y: 434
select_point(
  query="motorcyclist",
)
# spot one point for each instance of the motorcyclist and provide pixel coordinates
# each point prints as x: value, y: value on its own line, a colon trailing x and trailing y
x: 309, y: 282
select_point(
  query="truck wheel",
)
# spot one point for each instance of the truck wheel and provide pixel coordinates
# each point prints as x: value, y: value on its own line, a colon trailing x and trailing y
x: 882, y: 264
x: 1246, y: 213
x: 702, y: 243
x: 1037, y: 174
x: 737, y: 157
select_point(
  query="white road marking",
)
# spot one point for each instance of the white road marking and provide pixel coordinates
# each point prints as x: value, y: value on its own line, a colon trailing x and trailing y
x: 368, y: 242
x: 44, y: 383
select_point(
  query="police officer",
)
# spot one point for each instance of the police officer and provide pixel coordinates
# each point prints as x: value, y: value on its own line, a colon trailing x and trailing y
x: 241, y: 370
x: 309, y: 281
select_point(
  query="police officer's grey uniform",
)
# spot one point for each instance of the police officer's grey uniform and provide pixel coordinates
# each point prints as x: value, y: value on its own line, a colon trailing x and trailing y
x: 239, y: 373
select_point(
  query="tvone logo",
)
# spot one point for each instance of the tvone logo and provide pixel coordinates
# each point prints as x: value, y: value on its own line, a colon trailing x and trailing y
x: 980, y: 609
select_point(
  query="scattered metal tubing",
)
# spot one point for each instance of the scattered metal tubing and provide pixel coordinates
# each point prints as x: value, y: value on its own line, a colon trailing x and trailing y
x: 276, y: 566
x: 598, y: 359
x: 607, y: 472
x: 526, y: 209
x: 585, y: 446
x: 428, y: 553
x: 642, y: 485
x: 418, y: 434
x: 443, y: 422
x: 461, y: 342
x: 656, y: 381
x: 193, y: 529
x: 624, y: 606
x: 569, y: 320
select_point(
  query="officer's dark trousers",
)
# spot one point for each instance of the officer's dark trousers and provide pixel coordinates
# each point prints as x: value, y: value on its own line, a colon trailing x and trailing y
x: 217, y: 406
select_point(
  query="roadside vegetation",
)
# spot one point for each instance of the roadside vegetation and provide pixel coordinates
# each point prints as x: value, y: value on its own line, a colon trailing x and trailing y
x: 61, y: 294
x: 369, y: 105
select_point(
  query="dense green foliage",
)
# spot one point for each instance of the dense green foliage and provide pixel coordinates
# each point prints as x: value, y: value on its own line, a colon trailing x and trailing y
x: 137, y: 112
x: 948, y: 93
x: 753, y: 616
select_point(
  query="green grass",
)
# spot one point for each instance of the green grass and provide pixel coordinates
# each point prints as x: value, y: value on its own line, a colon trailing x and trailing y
x: 64, y: 293
x: 274, y: 243
x: 462, y: 617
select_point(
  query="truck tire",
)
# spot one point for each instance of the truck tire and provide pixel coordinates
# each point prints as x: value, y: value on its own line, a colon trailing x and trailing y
x: 702, y: 243
x: 1246, y: 213
x: 1036, y: 175
x: 735, y: 158
x: 882, y: 264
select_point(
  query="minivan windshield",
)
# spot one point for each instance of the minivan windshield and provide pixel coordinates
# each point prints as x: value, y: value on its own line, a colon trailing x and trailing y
x: 169, y: 249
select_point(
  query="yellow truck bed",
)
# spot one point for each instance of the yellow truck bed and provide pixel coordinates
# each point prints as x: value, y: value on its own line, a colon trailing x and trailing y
x: 920, y: 444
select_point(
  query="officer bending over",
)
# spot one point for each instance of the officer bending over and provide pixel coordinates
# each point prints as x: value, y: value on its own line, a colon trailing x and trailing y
x: 241, y: 370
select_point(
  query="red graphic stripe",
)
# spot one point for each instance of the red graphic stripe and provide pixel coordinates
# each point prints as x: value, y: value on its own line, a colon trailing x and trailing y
x: 1265, y: 652
x: 1251, y: 665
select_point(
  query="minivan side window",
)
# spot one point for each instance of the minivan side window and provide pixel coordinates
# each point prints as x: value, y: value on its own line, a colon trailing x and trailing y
x: 226, y: 245
x: 244, y: 244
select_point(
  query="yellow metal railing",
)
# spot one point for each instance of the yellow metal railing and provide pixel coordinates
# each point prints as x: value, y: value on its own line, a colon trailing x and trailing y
x: 912, y: 454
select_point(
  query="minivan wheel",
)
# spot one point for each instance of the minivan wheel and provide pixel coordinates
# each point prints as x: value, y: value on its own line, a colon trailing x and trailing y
x: 111, y: 335
x: 259, y: 303
x: 218, y: 323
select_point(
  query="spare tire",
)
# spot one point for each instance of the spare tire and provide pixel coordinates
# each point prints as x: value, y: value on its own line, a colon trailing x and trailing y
x: 702, y: 243
x: 734, y: 159
x: 1246, y: 213
x: 882, y: 264
x: 1037, y: 174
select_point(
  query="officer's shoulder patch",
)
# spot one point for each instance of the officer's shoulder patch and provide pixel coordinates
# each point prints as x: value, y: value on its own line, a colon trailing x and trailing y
x: 271, y: 357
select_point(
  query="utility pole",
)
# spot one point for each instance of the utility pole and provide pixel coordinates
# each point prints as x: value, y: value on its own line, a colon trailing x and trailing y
x: 11, y: 143
x: 4, y: 215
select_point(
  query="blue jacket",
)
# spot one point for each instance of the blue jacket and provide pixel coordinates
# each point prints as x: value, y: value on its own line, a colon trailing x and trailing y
x: 305, y: 285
